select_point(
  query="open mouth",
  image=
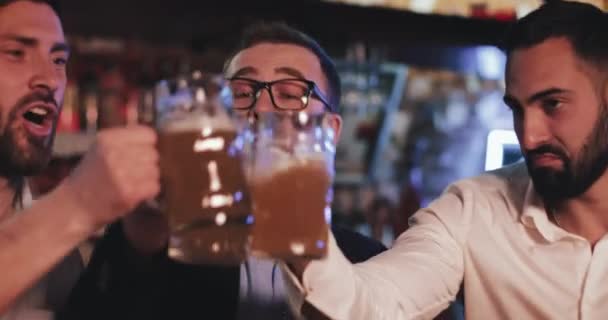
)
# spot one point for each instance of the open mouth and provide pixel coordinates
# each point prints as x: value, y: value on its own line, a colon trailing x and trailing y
x: 39, y: 119
x: 36, y: 115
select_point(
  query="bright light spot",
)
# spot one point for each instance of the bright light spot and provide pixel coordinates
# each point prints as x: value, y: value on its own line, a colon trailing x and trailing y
x: 182, y: 83
x: 220, y: 219
x: 212, y: 144
x: 303, y: 117
x: 327, y: 214
x: 490, y: 62
x: 330, y: 134
x: 199, y: 95
x: 175, y: 253
x: 206, y: 131
x: 318, y: 133
x: 422, y: 6
x: 214, y: 179
x: 217, y: 201
x: 495, y: 147
x: 329, y: 146
x: 297, y: 248
x: 215, y: 247
x: 320, y: 244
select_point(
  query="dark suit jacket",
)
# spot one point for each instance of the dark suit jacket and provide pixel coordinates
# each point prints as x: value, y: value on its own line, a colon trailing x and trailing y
x: 119, y: 284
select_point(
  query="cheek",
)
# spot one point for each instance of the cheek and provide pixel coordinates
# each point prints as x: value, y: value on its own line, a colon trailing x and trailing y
x: 63, y: 82
x: 573, y: 129
x: 12, y: 88
x: 59, y: 98
x: 315, y: 107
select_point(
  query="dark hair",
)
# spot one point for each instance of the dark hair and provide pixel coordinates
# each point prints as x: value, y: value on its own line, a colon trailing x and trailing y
x: 54, y: 4
x: 584, y: 25
x: 277, y: 32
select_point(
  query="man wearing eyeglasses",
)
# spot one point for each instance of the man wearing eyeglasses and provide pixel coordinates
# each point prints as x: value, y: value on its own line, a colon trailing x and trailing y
x: 276, y: 69
x: 273, y: 74
x: 292, y: 93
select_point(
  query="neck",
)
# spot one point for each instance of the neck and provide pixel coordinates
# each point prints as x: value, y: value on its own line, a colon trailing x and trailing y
x: 7, y: 196
x: 587, y: 214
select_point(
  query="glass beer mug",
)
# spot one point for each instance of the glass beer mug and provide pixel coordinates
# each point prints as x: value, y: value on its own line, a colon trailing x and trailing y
x: 204, y: 191
x: 289, y: 161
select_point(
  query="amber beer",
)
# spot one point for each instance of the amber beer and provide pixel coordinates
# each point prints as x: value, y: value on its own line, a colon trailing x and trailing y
x: 290, y: 205
x: 203, y: 196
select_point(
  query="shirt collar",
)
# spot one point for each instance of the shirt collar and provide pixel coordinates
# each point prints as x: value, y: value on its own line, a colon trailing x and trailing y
x: 534, y: 215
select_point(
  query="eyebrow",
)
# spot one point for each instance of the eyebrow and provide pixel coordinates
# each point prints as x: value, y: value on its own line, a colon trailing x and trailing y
x: 284, y: 70
x: 61, y: 47
x: 244, y: 71
x: 510, y: 100
x: 32, y: 42
x: 290, y: 72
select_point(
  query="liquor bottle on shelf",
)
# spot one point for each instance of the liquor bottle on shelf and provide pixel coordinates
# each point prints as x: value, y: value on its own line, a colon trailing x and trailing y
x: 69, y: 120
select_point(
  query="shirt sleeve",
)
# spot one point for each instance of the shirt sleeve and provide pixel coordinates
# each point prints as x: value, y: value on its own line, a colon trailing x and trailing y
x: 416, y: 279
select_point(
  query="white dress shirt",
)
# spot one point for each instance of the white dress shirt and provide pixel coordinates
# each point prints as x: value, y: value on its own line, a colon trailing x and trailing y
x: 52, y: 290
x: 490, y: 234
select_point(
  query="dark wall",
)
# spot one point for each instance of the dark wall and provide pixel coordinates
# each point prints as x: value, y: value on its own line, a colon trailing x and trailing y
x: 204, y: 25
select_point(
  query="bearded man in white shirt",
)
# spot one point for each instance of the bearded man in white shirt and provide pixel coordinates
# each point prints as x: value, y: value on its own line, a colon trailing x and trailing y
x: 525, y: 242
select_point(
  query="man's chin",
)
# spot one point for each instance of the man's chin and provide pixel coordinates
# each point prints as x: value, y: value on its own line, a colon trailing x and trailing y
x: 34, y: 168
x: 28, y: 162
x: 550, y: 184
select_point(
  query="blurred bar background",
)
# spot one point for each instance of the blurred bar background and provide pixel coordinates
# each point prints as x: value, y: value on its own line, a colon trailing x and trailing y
x: 422, y: 85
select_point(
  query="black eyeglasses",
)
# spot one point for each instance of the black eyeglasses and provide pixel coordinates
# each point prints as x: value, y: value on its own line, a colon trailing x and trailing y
x: 291, y: 94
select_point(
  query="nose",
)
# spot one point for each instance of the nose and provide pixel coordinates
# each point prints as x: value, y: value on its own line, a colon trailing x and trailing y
x: 532, y: 130
x: 46, y: 76
x: 264, y: 101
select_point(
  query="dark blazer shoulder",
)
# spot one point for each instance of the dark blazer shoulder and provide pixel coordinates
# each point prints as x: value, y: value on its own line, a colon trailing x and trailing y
x: 355, y: 246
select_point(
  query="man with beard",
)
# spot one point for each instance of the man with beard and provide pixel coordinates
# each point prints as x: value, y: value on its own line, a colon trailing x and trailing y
x: 117, y: 173
x: 525, y: 242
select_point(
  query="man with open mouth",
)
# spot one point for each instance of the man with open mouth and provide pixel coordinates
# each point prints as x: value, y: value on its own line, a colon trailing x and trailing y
x: 119, y: 171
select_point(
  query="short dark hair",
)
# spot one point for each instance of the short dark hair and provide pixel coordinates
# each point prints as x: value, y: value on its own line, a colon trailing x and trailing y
x: 54, y: 4
x: 584, y: 25
x: 278, y: 32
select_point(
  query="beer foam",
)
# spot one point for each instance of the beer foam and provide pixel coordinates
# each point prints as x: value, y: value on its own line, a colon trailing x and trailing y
x: 283, y: 161
x: 197, y: 121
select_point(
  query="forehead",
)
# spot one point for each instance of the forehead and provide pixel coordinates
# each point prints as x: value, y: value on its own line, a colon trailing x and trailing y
x: 550, y: 64
x: 266, y: 58
x: 30, y: 19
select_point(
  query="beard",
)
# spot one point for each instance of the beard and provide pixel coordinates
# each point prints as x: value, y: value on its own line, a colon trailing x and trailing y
x: 21, y: 153
x: 578, y: 174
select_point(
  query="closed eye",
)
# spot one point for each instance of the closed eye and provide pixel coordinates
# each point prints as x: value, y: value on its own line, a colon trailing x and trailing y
x: 15, y: 54
x: 286, y: 95
x: 550, y: 104
x: 243, y: 94
x: 60, y: 61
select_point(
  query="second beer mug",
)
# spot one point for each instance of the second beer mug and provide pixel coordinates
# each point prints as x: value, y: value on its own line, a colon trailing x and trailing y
x: 204, y: 189
x: 290, y: 171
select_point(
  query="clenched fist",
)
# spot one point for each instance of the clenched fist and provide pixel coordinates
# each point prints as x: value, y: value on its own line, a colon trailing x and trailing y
x: 119, y: 172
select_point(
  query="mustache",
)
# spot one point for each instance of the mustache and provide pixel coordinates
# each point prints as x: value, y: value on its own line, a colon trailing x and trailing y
x: 546, y: 149
x: 38, y: 96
